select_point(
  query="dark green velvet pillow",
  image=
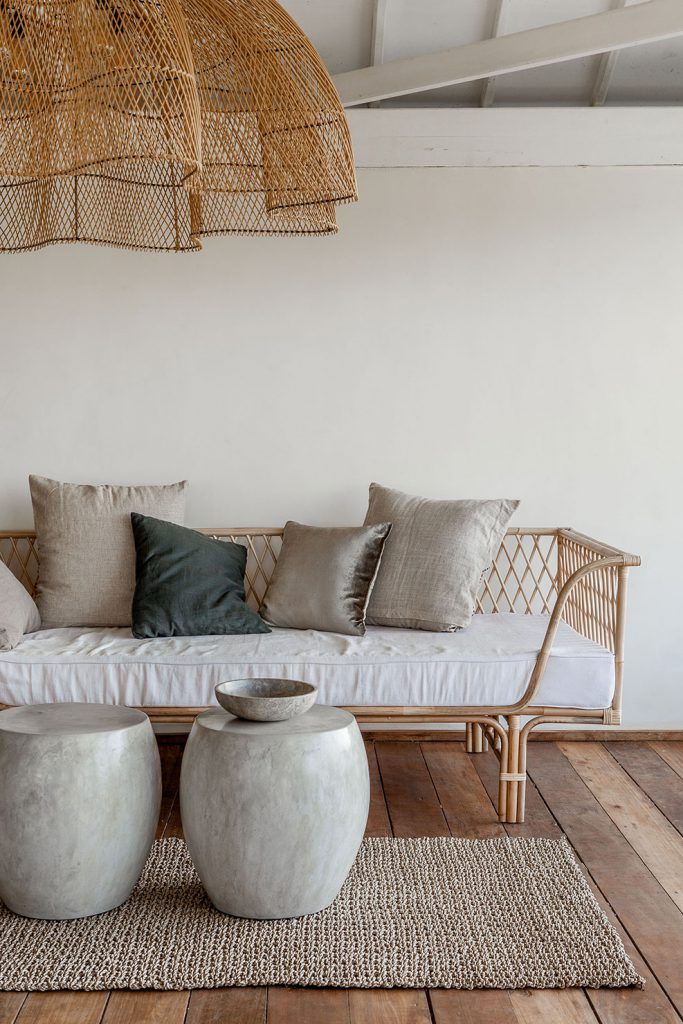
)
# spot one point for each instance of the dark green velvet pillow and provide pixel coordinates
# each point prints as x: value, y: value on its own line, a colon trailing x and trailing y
x: 188, y: 584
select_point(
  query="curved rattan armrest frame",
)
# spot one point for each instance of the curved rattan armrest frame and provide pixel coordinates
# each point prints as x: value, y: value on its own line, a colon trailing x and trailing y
x: 617, y: 560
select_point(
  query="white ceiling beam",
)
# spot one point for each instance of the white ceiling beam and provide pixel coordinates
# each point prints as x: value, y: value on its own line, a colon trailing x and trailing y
x: 518, y: 137
x: 567, y: 40
x: 379, y: 24
x: 605, y: 70
x: 497, y: 29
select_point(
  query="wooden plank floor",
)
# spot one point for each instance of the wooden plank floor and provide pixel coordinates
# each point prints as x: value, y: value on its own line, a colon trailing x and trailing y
x: 621, y: 806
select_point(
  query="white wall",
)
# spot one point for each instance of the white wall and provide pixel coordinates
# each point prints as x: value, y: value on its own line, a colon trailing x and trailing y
x: 470, y: 332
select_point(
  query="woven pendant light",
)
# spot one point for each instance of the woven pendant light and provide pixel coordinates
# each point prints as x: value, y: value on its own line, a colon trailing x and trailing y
x: 149, y: 124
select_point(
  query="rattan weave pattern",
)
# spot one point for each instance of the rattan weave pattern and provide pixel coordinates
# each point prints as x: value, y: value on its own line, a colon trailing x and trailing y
x: 591, y: 607
x: 149, y: 124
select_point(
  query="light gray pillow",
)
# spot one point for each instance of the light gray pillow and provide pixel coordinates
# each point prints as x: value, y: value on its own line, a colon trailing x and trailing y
x: 18, y: 612
x: 86, y: 551
x: 434, y: 558
x: 323, y: 577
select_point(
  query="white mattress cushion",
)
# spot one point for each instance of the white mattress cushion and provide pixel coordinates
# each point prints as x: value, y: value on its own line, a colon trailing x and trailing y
x: 489, y: 663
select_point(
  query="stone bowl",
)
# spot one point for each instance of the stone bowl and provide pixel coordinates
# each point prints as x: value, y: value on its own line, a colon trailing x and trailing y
x: 266, y: 700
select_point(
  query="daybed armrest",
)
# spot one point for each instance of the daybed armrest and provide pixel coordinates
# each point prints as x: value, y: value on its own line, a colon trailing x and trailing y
x: 568, y: 537
x: 591, y: 597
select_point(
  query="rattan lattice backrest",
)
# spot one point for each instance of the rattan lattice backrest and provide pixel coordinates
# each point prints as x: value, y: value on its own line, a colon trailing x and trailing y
x: 149, y: 124
x: 262, y: 550
x: 521, y: 579
x: 18, y: 551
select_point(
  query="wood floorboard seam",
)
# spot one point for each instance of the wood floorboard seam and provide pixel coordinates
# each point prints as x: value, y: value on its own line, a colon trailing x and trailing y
x: 436, y: 789
x: 104, y: 1008
x: 187, y: 1009
x: 170, y: 814
x: 386, y: 802
x: 430, y: 1007
x: 671, y: 754
x: 18, y: 1010
x: 625, y: 768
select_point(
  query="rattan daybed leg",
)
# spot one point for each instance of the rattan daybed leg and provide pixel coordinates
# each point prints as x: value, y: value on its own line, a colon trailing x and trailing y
x: 513, y: 774
x: 521, y: 768
x: 475, y: 738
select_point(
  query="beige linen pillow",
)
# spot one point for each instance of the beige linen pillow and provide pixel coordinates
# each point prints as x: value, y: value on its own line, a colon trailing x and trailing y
x: 18, y: 612
x: 86, y: 550
x: 323, y: 577
x: 433, y: 559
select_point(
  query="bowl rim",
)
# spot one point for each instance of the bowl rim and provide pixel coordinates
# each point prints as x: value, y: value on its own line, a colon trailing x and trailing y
x: 307, y: 691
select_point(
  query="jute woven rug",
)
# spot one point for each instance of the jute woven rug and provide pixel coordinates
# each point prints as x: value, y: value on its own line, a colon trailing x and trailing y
x: 414, y: 913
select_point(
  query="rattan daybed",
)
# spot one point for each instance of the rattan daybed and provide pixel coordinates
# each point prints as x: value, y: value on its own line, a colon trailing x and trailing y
x: 562, y: 662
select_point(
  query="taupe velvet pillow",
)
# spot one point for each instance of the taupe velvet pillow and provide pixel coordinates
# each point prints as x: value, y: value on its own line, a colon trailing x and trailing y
x: 18, y: 612
x: 86, y: 550
x: 434, y: 559
x: 323, y: 577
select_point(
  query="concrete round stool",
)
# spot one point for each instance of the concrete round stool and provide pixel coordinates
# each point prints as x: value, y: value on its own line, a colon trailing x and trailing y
x: 79, y: 803
x: 274, y: 812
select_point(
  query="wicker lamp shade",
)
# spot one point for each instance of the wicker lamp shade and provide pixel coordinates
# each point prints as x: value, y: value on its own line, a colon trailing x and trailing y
x: 150, y: 124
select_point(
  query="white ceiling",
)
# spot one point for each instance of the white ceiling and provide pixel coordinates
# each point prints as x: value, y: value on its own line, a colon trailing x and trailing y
x: 342, y: 32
